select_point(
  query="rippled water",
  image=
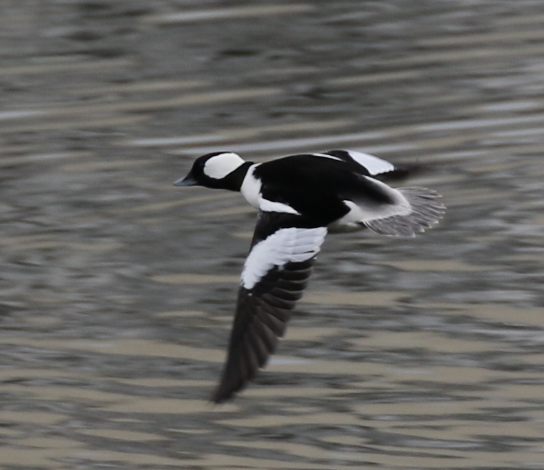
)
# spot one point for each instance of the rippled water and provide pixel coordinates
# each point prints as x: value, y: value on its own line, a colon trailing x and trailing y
x: 117, y: 289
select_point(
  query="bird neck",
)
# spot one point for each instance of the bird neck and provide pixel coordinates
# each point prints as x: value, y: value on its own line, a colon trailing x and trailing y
x: 233, y: 181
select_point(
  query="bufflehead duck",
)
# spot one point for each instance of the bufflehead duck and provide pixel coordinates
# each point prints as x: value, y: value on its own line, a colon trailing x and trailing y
x: 300, y: 198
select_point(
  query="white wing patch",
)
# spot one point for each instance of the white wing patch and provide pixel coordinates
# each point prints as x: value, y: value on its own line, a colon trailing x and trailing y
x: 282, y: 247
x: 374, y: 165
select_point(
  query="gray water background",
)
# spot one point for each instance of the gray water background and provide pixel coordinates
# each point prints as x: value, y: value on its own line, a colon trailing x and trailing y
x: 117, y: 289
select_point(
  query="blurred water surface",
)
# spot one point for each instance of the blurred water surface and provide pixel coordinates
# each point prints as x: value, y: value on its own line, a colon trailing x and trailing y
x: 117, y: 289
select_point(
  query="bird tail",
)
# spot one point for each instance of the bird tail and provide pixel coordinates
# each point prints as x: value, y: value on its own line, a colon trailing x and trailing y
x: 425, y: 212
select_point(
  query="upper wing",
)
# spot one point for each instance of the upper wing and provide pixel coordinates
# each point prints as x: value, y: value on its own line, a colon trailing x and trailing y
x: 417, y: 211
x: 389, y: 211
x: 275, y: 274
x: 364, y: 163
x: 369, y: 165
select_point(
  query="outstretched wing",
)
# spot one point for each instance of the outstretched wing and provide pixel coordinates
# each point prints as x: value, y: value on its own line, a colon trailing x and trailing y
x: 389, y: 211
x: 416, y: 210
x: 369, y: 165
x: 364, y: 163
x: 275, y: 274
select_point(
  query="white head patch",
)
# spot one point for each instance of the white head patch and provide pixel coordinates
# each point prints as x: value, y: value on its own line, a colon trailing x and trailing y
x: 221, y: 165
x: 284, y: 246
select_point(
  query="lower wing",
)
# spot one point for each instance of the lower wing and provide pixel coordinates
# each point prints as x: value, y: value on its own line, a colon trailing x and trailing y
x: 275, y: 274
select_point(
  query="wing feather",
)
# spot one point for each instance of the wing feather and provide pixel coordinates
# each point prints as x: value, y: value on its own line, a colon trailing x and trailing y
x: 370, y: 165
x: 365, y: 163
x: 275, y: 274
x: 424, y: 212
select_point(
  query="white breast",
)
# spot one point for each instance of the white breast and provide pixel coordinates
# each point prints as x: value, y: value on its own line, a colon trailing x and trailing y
x: 251, y: 187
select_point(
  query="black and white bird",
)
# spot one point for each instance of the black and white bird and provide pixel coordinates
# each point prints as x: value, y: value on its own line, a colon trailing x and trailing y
x: 300, y: 198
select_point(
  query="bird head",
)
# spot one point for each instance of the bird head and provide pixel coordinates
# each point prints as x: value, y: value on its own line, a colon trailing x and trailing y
x: 212, y: 170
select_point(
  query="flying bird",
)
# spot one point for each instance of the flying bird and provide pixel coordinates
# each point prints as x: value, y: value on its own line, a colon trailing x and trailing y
x: 300, y: 198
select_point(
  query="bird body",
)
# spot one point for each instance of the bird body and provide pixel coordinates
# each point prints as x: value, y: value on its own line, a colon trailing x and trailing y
x: 300, y: 198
